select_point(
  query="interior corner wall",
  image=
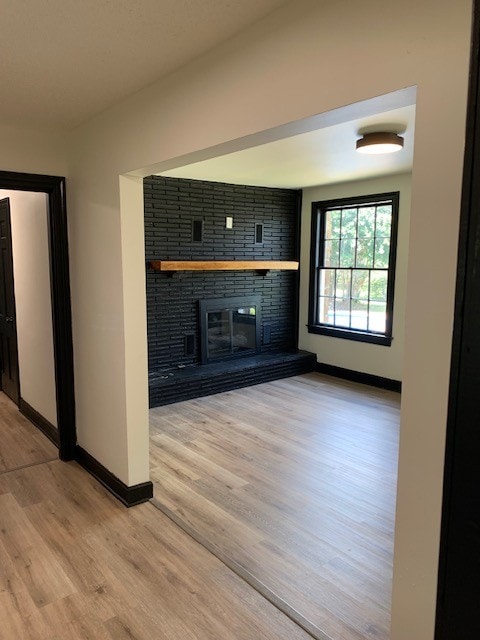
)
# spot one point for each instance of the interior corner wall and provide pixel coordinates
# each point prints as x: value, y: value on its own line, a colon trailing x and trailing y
x: 374, y: 359
x: 308, y: 57
x: 31, y: 273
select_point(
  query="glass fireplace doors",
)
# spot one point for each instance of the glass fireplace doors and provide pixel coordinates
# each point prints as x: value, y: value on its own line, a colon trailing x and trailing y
x: 230, y: 328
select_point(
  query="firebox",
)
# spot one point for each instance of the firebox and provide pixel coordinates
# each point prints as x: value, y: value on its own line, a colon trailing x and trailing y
x: 229, y: 328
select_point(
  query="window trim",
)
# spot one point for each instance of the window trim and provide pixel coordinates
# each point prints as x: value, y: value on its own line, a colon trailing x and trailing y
x: 316, y: 258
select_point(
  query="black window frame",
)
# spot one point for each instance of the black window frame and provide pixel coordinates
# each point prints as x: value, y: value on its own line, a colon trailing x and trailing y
x: 317, y: 249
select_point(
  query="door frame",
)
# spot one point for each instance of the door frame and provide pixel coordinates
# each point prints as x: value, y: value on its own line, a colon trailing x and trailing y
x: 16, y: 399
x: 459, y: 562
x: 54, y: 187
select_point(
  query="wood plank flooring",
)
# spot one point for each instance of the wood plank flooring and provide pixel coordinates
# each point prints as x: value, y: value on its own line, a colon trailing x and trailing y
x: 21, y: 444
x: 294, y: 480
x: 77, y: 565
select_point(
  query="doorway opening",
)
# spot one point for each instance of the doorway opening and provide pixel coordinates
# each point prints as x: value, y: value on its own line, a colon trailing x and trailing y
x: 257, y: 464
x: 63, y: 433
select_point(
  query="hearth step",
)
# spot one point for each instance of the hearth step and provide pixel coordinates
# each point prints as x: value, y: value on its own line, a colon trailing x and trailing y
x: 167, y: 387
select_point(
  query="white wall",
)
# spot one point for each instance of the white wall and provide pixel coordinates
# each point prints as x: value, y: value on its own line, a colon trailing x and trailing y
x: 359, y: 356
x: 29, y: 151
x: 307, y: 58
x: 31, y: 272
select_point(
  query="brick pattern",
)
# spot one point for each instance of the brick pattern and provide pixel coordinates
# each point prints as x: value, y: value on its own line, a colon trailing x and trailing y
x: 171, y: 205
x: 176, y: 389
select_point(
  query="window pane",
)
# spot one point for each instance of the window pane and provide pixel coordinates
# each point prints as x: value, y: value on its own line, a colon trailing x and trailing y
x: 377, y: 316
x: 384, y: 221
x: 360, y: 284
x: 326, y: 310
x: 342, y: 289
x: 349, y: 223
x: 347, y: 253
x: 378, y: 285
x: 359, y: 315
x: 331, y: 255
x: 327, y: 282
x: 366, y: 222
x: 382, y: 252
x: 342, y: 312
x: 365, y: 253
x: 332, y: 224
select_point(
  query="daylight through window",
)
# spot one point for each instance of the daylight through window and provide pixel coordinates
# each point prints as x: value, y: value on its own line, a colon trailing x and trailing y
x: 353, y: 265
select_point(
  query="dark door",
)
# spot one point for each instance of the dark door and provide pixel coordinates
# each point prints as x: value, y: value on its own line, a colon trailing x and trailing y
x: 8, y: 326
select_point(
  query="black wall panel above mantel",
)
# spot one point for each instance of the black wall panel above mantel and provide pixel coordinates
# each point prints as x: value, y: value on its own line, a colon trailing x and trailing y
x: 172, y: 204
x: 171, y: 207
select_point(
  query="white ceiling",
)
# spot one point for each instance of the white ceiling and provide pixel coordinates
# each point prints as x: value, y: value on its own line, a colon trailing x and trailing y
x: 323, y: 156
x: 63, y: 61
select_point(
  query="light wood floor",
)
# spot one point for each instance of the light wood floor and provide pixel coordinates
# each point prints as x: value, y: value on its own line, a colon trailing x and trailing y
x: 294, y: 480
x: 77, y: 565
x: 21, y: 443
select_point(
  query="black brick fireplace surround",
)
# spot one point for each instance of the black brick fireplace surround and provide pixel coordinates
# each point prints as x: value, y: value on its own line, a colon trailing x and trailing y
x: 176, y: 212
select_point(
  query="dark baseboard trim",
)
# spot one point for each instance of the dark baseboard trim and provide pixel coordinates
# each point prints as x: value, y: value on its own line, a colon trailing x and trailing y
x: 39, y: 421
x: 129, y: 496
x: 359, y: 376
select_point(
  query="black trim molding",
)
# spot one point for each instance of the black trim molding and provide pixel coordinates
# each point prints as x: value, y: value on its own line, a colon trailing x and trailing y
x: 350, y: 334
x: 359, y: 376
x: 54, y: 187
x: 39, y: 421
x: 459, y: 559
x: 129, y: 496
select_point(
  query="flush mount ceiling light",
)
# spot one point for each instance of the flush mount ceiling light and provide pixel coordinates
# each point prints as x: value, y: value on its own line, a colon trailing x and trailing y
x: 384, y: 142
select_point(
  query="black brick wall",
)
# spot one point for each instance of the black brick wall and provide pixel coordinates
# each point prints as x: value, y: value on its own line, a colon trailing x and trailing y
x: 172, y: 302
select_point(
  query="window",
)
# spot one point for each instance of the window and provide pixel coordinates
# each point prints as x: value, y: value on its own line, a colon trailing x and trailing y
x: 352, y: 271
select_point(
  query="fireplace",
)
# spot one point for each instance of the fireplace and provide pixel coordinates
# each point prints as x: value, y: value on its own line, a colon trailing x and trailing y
x: 229, y: 328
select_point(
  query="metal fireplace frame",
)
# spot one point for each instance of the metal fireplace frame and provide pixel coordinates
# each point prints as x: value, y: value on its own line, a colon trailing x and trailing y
x: 223, y: 304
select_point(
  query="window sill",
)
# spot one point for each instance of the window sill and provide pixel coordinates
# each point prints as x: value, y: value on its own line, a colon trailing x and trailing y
x: 347, y: 334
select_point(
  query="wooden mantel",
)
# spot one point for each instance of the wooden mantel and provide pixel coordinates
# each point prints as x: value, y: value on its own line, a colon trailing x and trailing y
x: 222, y: 265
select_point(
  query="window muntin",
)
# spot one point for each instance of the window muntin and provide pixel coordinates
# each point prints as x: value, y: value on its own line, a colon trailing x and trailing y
x: 353, y: 265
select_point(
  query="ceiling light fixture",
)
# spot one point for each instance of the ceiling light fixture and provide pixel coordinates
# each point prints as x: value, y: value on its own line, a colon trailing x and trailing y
x: 375, y: 143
